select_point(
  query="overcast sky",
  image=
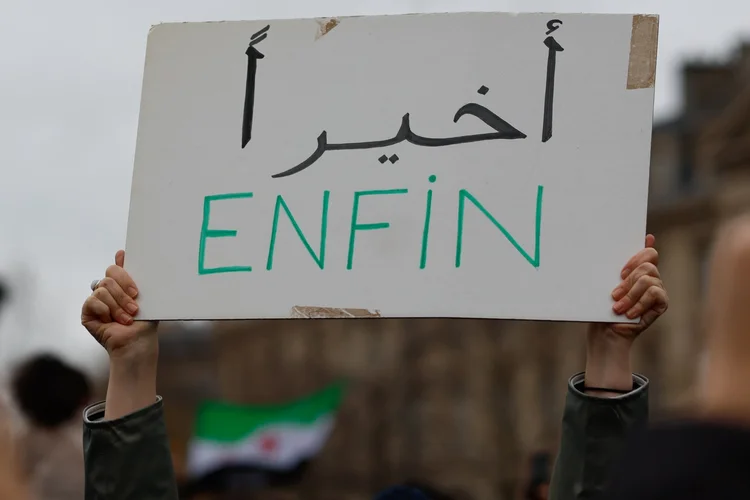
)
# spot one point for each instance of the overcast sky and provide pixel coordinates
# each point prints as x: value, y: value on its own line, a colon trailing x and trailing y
x: 70, y: 78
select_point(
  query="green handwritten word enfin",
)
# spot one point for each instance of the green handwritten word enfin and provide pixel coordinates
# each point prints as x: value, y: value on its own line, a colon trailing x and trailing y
x: 284, y: 220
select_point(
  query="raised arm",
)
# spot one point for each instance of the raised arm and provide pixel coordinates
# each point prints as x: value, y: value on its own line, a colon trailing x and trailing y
x: 608, y: 402
x: 126, y: 451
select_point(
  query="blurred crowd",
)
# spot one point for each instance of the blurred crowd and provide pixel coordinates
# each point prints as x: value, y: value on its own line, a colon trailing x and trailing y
x: 41, y: 453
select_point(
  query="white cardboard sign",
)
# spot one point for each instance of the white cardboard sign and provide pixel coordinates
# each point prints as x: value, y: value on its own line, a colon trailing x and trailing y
x: 450, y: 165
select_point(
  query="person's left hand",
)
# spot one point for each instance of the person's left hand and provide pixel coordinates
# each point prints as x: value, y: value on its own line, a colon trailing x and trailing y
x: 641, y: 293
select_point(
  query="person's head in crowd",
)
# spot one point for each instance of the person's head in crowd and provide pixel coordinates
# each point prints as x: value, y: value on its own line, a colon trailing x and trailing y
x: 49, y: 392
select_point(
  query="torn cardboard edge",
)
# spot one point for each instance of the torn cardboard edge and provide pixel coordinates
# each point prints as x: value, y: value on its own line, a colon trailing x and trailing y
x: 303, y: 312
x: 644, y: 41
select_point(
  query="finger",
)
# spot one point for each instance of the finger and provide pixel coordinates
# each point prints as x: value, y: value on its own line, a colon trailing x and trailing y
x: 635, y: 293
x: 123, y: 279
x: 94, y: 310
x: 645, y: 255
x: 115, y: 311
x: 94, y: 316
x: 120, y: 258
x: 123, y: 300
x: 645, y: 269
x: 650, y: 241
x: 653, y: 304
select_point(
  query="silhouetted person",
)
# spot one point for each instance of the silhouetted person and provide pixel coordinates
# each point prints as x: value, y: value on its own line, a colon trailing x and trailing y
x: 706, y: 457
x: 51, y: 396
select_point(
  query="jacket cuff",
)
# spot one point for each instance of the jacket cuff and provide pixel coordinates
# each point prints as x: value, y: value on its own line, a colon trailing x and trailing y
x: 594, y: 431
x: 576, y: 383
x: 127, y: 458
x: 93, y: 416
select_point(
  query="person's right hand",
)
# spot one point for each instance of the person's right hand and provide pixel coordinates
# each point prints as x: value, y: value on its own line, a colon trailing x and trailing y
x: 108, y: 314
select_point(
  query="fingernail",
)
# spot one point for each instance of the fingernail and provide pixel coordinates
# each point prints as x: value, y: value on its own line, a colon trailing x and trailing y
x: 624, y: 274
x: 125, y: 319
x: 619, y: 307
x: 634, y: 312
x: 132, y: 308
x: 618, y: 293
x: 132, y: 292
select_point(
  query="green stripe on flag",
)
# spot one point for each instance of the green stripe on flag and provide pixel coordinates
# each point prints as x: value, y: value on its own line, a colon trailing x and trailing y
x: 225, y: 422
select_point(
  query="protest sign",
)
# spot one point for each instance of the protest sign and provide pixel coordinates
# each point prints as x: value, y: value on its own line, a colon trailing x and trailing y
x: 447, y: 165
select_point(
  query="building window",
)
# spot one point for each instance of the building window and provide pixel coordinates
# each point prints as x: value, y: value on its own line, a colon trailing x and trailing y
x: 685, y: 171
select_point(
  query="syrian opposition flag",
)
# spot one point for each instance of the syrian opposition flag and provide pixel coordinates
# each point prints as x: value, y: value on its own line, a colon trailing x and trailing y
x: 262, y: 441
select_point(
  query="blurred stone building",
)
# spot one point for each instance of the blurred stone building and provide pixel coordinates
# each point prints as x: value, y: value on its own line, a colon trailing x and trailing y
x: 462, y: 404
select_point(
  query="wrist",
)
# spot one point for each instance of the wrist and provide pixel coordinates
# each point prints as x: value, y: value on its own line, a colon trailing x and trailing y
x: 143, y: 349
x: 601, y: 338
x: 132, y: 382
x: 608, y: 360
x: 133, y: 365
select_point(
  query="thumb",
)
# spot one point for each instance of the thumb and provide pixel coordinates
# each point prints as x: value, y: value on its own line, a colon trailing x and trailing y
x: 120, y: 258
x: 650, y: 241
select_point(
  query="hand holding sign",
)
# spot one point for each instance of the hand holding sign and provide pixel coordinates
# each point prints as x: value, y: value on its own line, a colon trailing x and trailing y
x: 641, y: 293
x: 108, y: 313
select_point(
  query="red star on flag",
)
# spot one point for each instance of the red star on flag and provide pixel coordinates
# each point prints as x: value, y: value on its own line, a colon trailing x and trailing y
x: 269, y: 444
